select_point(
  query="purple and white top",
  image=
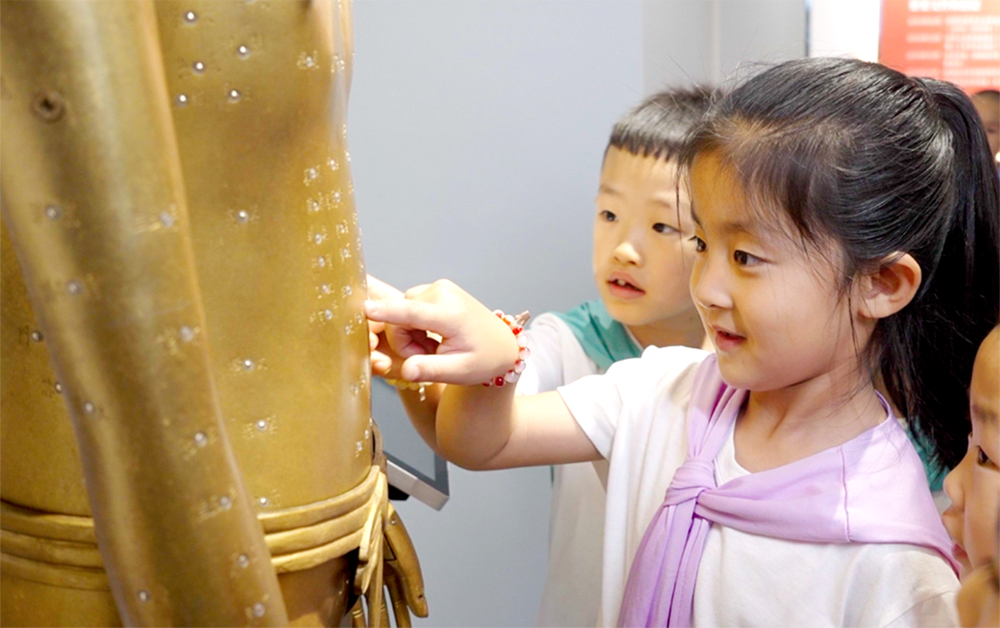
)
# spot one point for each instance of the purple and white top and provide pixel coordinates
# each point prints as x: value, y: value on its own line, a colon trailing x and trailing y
x: 848, y: 536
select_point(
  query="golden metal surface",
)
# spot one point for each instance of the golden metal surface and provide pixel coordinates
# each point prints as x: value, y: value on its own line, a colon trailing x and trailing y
x: 176, y: 181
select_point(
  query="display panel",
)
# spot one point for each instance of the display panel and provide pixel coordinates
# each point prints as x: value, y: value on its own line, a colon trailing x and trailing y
x: 953, y: 40
x: 413, y: 467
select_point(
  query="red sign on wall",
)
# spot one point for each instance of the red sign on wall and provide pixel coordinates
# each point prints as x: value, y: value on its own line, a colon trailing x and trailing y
x: 954, y: 40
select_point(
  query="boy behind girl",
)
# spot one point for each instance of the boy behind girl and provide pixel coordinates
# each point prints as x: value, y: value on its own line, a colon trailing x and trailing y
x: 642, y: 259
x: 642, y: 262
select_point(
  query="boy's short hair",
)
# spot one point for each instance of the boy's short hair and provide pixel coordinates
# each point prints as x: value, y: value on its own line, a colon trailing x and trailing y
x: 658, y: 126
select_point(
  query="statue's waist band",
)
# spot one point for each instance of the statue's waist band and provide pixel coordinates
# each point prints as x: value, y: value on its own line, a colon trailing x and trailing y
x: 61, y: 550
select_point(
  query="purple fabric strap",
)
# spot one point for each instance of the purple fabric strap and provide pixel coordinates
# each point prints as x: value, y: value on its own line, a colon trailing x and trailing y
x: 871, y: 489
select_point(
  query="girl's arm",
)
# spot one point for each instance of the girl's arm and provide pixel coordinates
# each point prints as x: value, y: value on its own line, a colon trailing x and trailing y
x: 475, y: 426
x: 489, y: 428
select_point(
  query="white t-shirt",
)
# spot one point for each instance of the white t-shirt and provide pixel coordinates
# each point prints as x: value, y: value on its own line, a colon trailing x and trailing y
x: 572, y: 592
x: 636, y: 417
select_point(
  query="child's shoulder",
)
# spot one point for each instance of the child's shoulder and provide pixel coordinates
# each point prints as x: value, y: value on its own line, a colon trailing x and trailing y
x: 901, y: 584
x: 665, y: 357
x: 660, y: 367
x: 548, y: 322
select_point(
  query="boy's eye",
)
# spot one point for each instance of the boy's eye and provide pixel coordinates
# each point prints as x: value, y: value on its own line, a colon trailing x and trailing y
x: 608, y: 215
x: 981, y: 458
x: 745, y: 259
x: 662, y: 227
x: 699, y: 244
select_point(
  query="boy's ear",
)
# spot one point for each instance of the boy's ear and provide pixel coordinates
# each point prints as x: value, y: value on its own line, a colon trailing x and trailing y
x: 890, y: 288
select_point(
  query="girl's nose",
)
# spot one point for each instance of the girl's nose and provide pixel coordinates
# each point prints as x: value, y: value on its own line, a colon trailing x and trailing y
x: 708, y: 284
x: 959, y: 479
x: 627, y: 253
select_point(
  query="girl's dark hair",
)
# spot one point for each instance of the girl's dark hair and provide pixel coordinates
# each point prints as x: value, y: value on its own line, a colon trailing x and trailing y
x: 881, y: 163
x: 659, y: 125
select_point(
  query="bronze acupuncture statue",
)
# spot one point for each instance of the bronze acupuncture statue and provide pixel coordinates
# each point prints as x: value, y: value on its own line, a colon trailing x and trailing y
x: 186, y: 433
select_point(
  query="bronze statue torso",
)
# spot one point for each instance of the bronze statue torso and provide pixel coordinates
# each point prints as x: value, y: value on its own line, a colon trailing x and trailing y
x: 176, y: 183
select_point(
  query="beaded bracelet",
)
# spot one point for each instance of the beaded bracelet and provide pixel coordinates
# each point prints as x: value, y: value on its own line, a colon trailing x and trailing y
x: 516, y: 325
x: 402, y: 384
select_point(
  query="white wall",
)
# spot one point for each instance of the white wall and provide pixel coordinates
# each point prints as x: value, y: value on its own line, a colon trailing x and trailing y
x: 710, y: 41
x: 477, y: 130
x: 848, y: 28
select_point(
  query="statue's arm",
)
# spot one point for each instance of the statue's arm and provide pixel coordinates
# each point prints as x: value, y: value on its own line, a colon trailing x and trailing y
x: 93, y: 197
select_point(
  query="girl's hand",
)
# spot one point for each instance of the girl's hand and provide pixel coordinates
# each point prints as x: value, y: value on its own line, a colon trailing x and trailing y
x: 385, y: 362
x: 475, y: 346
x: 383, y: 339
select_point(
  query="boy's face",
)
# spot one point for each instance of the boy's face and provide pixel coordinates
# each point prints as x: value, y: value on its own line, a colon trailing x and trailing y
x: 974, y: 485
x: 642, y: 248
x: 988, y: 109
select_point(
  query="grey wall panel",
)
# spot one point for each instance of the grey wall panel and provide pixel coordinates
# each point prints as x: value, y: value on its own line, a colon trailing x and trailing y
x: 476, y: 132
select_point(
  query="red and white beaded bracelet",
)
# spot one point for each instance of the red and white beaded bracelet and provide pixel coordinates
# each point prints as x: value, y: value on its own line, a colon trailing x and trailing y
x: 516, y: 325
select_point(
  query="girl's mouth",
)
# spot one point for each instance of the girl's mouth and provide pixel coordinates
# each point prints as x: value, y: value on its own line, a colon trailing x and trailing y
x: 624, y: 290
x: 726, y: 341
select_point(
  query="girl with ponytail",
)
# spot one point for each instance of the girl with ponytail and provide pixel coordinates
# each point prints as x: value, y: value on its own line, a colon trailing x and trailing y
x: 846, y: 235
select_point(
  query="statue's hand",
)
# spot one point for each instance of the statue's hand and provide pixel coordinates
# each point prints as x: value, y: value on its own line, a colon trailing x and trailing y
x: 403, y: 577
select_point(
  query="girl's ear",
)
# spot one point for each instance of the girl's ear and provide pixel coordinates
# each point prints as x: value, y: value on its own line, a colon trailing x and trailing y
x: 890, y: 288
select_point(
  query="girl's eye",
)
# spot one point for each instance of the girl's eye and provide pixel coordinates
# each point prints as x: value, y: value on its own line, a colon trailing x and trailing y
x: 745, y: 259
x: 662, y: 227
x: 699, y: 244
x: 608, y: 215
x: 981, y: 458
